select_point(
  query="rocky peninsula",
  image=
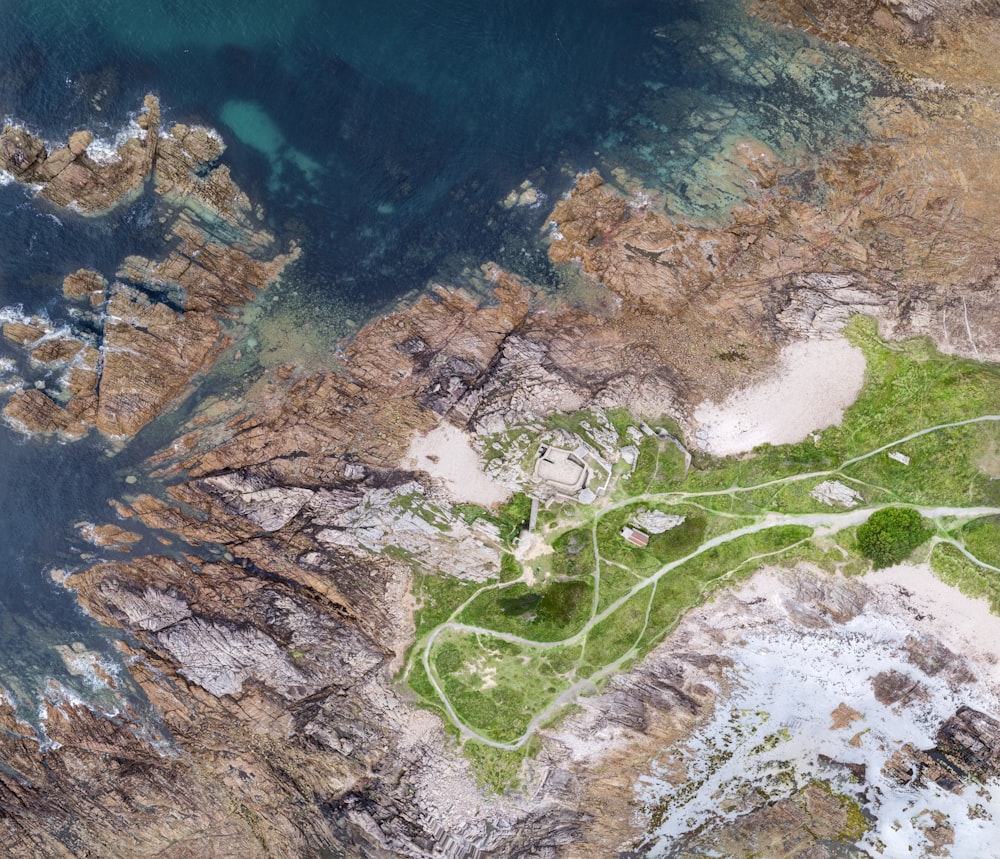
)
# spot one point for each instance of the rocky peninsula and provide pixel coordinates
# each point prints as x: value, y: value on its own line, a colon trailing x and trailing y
x: 277, y: 645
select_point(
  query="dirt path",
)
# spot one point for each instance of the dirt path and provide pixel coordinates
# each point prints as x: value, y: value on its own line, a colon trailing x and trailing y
x: 823, y: 524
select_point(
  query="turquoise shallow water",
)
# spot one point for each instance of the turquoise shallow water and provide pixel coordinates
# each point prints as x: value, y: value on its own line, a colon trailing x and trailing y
x: 381, y: 135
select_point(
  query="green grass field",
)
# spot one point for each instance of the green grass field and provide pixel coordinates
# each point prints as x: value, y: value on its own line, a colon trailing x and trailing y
x: 595, y: 603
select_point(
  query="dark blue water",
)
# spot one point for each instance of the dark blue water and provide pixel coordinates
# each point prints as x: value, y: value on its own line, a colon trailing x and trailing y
x: 381, y: 135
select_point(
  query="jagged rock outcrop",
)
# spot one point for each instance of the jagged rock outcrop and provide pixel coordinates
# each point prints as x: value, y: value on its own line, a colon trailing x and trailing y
x: 32, y: 411
x: 972, y: 740
x: 150, y: 353
x: 84, y: 283
x: 111, y: 536
x: 268, y: 655
x: 967, y: 752
x: 802, y: 254
x: 68, y: 176
x: 153, y: 341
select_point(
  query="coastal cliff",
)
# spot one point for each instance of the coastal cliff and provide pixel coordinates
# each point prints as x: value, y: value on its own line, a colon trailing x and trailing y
x: 270, y: 642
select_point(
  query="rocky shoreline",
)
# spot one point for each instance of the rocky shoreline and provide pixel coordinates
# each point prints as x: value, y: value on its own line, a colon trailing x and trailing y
x: 271, y: 665
x: 118, y: 379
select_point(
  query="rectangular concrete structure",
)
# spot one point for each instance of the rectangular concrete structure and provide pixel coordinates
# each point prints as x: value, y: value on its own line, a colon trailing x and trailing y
x: 562, y: 468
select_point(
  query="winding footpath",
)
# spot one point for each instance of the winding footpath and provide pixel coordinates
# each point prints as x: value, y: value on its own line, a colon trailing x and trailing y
x: 823, y: 524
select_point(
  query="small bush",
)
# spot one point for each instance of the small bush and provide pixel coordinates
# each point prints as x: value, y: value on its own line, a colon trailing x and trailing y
x: 890, y: 534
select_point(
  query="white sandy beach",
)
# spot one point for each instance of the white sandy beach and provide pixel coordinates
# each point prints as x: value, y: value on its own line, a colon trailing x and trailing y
x: 963, y: 624
x: 814, y: 382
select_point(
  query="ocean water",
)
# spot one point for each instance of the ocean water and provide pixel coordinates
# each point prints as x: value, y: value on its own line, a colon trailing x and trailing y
x: 381, y: 136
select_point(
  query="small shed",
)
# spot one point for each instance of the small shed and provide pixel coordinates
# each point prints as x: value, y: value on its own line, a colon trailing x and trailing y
x: 635, y: 536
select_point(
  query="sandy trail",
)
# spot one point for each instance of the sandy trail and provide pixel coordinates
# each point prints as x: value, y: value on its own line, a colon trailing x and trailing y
x: 813, y: 383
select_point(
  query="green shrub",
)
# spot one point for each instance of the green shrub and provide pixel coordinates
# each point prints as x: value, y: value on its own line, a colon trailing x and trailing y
x: 890, y: 534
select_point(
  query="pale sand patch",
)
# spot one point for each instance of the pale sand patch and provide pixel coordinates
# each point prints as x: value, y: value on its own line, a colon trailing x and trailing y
x: 446, y: 454
x: 530, y: 546
x: 928, y: 606
x: 813, y: 383
x: 964, y: 625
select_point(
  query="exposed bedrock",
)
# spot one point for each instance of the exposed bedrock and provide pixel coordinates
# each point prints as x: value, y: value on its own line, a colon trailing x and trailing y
x: 160, y: 326
x: 783, y: 268
x: 271, y: 666
x: 69, y: 176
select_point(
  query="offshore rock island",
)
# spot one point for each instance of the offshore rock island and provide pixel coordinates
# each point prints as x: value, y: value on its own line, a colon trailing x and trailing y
x: 480, y: 586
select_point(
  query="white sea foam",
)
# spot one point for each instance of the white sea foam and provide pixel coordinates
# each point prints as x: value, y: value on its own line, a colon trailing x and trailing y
x: 540, y: 199
x: 98, y: 672
x: 14, y: 313
x: 104, y: 151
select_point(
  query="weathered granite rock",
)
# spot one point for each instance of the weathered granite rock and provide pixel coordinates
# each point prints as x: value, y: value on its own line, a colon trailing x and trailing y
x: 808, y: 825
x: 68, y: 176
x: 26, y: 333
x: 33, y: 412
x: 210, y: 276
x: 56, y: 350
x: 149, y: 350
x: 967, y: 751
x: 270, y: 507
x: 884, y: 23
x: 895, y: 687
x: 432, y: 352
x: 972, y: 739
x: 79, y: 141
x: 20, y: 153
x: 102, y: 789
x: 85, y: 284
x: 271, y: 671
x: 290, y: 694
x: 150, y: 354
x: 109, y: 536
x: 181, y: 178
x: 792, y: 262
x: 375, y: 521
